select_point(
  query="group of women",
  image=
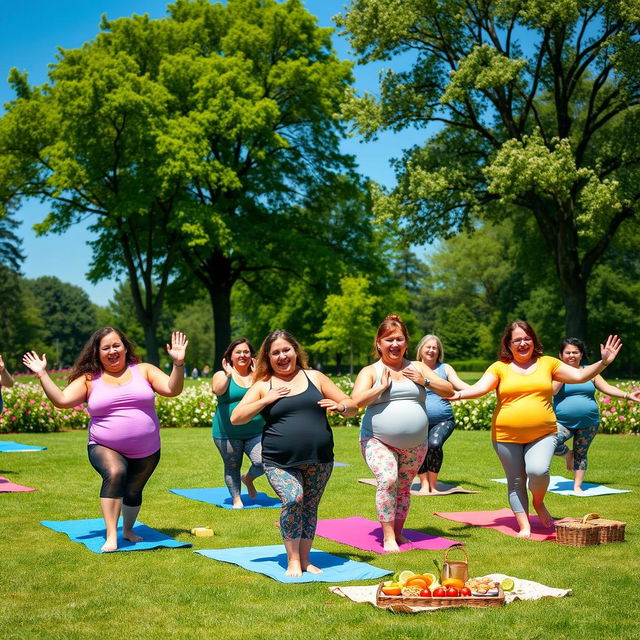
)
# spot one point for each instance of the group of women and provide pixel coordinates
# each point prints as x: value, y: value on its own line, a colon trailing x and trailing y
x: 273, y: 408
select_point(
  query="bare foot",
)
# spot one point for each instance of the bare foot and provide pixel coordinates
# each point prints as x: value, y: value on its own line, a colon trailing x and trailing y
x: 247, y: 480
x: 524, y: 533
x: 311, y: 568
x: 390, y: 545
x: 578, y: 489
x: 294, y: 570
x: 131, y: 537
x: 110, y: 544
x: 545, y: 517
x: 400, y: 539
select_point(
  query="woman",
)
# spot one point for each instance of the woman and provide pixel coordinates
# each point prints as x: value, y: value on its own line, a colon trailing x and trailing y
x: 393, y: 433
x: 124, y: 433
x: 577, y: 412
x: 297, y: 443
x: 441, y: 421
x: 523, y: 428
x: 230, y: 385
x: 5, y: 380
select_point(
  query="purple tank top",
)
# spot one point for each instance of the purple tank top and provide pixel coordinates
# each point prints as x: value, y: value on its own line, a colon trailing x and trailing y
x: 124, y: 417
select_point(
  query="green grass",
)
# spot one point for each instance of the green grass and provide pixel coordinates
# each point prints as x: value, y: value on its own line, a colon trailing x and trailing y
x: 53, y: 588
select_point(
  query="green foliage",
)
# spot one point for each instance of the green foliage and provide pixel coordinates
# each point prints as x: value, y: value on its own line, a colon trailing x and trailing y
x: 196, y: 321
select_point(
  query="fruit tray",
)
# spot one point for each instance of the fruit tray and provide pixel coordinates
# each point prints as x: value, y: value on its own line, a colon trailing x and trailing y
x: 402, y: 602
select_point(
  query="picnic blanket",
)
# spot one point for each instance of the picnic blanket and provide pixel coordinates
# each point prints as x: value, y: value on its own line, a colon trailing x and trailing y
x: 6, y: 486
x: 564, y: 487
x: 8, y: 446
x: 271, y: 560
x: 219, y: 496
x: 501, y: 520
x: 91, y: 533
x: 444, y: 488
x: 523, y: 590
x: 361, y: 533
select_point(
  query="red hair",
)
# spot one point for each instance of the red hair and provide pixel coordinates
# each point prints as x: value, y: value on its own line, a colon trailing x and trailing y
x: 389, y: 324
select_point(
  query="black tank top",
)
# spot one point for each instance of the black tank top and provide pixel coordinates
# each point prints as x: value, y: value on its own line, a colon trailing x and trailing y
x: 296, y: 430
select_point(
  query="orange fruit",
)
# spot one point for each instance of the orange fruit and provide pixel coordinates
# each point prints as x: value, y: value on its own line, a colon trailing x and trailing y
x: 453, y: 582
x: 392, y: 591
x: 416, y: 581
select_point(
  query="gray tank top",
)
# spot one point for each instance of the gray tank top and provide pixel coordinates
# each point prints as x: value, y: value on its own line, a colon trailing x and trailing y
x: 399, y: 416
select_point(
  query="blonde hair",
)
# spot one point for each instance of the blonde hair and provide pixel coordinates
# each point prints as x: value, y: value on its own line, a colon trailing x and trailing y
x: 430, y: 336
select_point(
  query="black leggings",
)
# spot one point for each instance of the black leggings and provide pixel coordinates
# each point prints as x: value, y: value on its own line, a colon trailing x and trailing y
x: 122, y: 477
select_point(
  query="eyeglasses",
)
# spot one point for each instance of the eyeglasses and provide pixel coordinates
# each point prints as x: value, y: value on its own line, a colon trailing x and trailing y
x: 519, y: 341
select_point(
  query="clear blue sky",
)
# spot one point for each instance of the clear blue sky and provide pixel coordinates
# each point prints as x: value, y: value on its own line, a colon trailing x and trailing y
x: 30, y: 32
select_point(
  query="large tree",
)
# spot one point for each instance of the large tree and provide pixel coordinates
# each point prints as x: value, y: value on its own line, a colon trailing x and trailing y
x: 534, y: 107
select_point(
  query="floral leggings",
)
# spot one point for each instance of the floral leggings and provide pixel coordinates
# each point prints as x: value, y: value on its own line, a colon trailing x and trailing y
x: 394, y: 470
x: 582, y: 439
x: 299, y: 489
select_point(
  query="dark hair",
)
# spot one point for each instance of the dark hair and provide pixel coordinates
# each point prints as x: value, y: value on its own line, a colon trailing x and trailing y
x: 505, y: 354
x: 389, y: 324
x: 576, y: 342
x: 263, y: 363
x: 88, y: 362
x: 229, y: 350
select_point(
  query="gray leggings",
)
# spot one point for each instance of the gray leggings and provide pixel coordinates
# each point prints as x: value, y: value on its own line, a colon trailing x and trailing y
x: 231, y: 451
x: 521, y: 461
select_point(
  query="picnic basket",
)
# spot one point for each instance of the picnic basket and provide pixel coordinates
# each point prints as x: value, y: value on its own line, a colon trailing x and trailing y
x: 589, y: 530
x: 405, y: 603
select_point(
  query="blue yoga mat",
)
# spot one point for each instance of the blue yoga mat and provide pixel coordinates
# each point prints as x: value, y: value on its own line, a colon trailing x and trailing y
x: 340, y: 464
x: 564, y: 487
x: 271, y: 561
x: 8, y: 446
x: 91, y: 533
x: 219, y: 496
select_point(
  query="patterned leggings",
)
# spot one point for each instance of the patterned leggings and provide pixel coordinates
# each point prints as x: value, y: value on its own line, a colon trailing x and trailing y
x: 394, y: 470
x: 231, y: 451
x: 438, y: 435
x: 299, y: 489
x: 582, y: 439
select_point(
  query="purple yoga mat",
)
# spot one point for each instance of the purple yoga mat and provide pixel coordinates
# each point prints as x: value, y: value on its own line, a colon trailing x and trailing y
x: 366, y: 534
x: 6, y: 486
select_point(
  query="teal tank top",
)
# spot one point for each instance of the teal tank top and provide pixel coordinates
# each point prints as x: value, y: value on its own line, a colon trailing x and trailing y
x: 222, y: 427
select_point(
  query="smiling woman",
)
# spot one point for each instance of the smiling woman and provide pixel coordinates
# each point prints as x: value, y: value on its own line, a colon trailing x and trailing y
x: 124, y: 431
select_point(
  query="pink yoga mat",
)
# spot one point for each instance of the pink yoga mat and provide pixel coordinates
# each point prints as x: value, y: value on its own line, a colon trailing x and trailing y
x: 6, y: 486
x: 366, y: 534
x: 501, y: 520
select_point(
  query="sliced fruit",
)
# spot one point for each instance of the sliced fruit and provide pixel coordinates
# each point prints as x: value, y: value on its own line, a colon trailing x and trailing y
x: 392, y: 590
x: 507, y: 584
x: 416, y: 581
x: 430, y: 578
x: 453, y: 582
x: 405, y: 575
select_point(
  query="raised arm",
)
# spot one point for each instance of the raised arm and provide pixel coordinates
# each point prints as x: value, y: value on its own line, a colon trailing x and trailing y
x: 455, y: 379
x: 72, y: 395
x: 335, y: 399
x: 488, y: 382
x: 255, y: 400
x: 365, y: 391
x: 572, y: 375
x: 220, y: 380
x: 5, y: 377
x: 615, y: 392
x: 169, y: 385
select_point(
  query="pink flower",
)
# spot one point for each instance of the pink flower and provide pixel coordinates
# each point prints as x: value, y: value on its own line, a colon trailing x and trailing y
x: 621, y: 418
x: 606, y: 400
x: 14, y: 417
x: 606, y: 413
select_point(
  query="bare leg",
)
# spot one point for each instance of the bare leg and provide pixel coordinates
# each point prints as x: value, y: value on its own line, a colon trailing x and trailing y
x: 389, y: 542
x: 433, y: 481
x: 111, y: 512
x: 424, y: 483
x: 237, y: 503
x: 569, y: 459
x: 398, y: 526
x: 129, y: 515
x: 294, y: 568
x: 523, y: 524
x: 577, y: 480
x: 247, y: 480
x: 305, y: 549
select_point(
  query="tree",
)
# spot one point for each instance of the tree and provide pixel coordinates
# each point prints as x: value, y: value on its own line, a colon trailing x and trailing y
x: 536, y: 107
x: 68, y: 317
x: 10, y: 243
x: 348, y: 325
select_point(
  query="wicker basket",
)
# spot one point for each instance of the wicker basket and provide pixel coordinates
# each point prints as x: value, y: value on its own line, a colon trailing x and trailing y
x: 608, y: 530
x: 578, y: 532
x: 404, y: 603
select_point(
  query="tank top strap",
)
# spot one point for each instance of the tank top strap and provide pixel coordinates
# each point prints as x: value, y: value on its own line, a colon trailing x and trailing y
x: 378, y: 368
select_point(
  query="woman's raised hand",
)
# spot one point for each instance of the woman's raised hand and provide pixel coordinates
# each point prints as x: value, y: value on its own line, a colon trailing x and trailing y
x: 33, y: 362
x: 226, y: 367
x: 610, y: 349
x: 178, y: 347
x: 332, y: 405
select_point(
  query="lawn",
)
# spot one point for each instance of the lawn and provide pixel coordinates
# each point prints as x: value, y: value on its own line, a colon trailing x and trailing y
x: 56, y: 589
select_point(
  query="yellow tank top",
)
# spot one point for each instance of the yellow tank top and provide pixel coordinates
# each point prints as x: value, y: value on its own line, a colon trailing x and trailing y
x: 524, y: 412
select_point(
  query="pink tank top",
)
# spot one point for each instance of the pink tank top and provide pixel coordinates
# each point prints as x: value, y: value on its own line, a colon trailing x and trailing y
x: 124, y: 417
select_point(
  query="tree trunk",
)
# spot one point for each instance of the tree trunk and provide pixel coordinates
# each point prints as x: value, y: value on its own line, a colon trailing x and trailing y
x: 151, y: 343
x: 220, y: 294
x: 575, y: 304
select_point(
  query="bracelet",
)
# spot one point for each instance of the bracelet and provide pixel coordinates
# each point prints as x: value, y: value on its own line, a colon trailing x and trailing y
x: 175, y: 364
x: 427, y: 382
x: 344, y: 408
x: 626, y: 396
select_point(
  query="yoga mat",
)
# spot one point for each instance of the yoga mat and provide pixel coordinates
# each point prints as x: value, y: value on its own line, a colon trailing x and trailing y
x: 91, y: 533
x: 564, y: 487
x: 340, y: 464
x: 501, y: 520
x: 8, y: 446
x: 271, y: 561
x: 444, y: 488
x: 366, y: 534
x: 219, y: 496
x: 6, y: 486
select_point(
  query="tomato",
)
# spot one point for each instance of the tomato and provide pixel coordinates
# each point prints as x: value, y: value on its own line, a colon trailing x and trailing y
x: 465, y: 591
x: 440, y: 592
x: 425, y: 593
x: 452, y: 592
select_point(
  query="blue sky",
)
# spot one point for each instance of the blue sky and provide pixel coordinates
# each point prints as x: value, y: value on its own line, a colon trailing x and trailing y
x: 31, y: 31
